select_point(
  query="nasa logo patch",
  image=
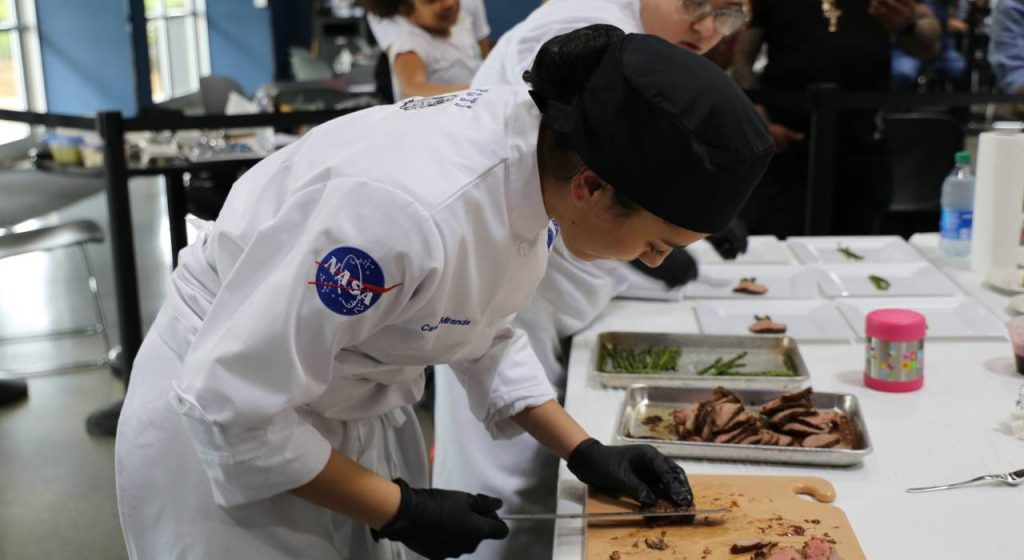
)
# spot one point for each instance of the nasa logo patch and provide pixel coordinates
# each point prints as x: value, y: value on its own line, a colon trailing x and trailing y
x: 424, y: 102
x: 553, y: 230
x: 349, y: 281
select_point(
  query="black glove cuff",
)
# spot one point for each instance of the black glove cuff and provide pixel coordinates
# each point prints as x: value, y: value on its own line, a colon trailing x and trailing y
x: 579, y: 453
x: 398, y: 521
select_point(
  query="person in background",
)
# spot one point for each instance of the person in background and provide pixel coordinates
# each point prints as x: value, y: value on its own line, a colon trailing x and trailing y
x: 834, y: 41
x: 385, y: 30
x: 1006, y: 50
x: 434, y: 51
x: 573, y: 292
x: 948, y: 65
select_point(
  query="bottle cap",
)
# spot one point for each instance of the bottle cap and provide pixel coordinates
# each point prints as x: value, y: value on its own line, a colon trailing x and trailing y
x: 963, y: 158
x: 895, y: 325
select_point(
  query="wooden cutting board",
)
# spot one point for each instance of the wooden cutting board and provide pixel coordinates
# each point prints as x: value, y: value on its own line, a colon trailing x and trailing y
x: 767, y: 507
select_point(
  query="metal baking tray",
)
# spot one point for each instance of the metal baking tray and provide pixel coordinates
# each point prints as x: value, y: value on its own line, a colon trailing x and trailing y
x: 699, y: 350
x: 642, y: 400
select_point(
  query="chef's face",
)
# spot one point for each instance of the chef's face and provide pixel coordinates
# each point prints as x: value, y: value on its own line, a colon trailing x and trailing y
x: 436, y: 16
x: 687, y: 23
x: 598, y: 227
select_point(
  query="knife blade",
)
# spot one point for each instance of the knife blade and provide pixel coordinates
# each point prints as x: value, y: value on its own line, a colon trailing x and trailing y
x: 615, y: 515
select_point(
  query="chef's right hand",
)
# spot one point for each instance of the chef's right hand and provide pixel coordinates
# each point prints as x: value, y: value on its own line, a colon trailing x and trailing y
x: 784, y: 137
x: 441, y: 524
x: 677, y: 269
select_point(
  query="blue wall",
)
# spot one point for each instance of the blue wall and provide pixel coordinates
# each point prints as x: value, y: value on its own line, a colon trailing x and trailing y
x: 87, y: 56
x: 240, y: 42
x: 503, y: 14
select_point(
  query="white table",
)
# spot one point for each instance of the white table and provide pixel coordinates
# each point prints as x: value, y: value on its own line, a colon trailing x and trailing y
x: 948, y: 431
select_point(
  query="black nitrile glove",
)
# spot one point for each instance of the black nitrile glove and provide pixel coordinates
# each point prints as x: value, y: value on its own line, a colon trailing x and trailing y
x: 677, y: 269
x: 443, y: 523
x: 640, y: 472
x: 732, y: 242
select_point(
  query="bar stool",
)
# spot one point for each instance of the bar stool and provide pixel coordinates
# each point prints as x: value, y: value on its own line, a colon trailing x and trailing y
x: 76, y: 233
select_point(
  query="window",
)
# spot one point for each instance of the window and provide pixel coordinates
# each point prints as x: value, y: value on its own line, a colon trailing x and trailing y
x: 179, y: 51
x: 21, y: 77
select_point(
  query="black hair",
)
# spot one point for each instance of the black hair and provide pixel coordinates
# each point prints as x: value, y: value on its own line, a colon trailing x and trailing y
x: 385, y: 8
x: 560, y: 71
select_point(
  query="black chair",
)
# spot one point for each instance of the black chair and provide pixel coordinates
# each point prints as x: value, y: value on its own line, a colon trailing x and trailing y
x: 382, y: 76
x: 922, y: 147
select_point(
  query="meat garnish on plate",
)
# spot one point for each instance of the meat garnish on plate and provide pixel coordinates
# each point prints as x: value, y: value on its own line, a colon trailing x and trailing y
x: 750, y: 286
x: 763, y: 324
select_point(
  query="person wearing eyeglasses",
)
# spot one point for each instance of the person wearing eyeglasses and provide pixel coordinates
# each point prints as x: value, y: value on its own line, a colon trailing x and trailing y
x: 573, y: 292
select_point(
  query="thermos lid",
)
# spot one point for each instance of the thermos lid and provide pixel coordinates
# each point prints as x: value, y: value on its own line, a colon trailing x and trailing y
x: 896, y: 325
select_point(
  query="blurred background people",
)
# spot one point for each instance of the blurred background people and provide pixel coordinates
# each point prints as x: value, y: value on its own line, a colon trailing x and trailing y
x: 845, y: 42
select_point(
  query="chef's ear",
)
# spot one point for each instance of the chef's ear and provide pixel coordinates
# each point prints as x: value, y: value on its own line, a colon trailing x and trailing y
x: 587, y: 185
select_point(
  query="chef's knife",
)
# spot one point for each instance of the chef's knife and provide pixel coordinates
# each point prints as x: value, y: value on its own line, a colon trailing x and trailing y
x: 616, y: 515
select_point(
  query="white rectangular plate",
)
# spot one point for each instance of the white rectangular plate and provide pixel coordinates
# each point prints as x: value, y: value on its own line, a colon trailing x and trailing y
x: 717, y: 281
x: 761, y: 249
x: 805, y: 319
x: 874, y: 249
x: 919, y: 279
x: 951, y: 317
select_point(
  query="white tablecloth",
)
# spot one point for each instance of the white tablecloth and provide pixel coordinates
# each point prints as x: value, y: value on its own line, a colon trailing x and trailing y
x: 948, y: 431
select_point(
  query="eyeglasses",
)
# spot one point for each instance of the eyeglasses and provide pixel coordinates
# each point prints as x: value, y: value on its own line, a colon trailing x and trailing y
x: 728, y: 19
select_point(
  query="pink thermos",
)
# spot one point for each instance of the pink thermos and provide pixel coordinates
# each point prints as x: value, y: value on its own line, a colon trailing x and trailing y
x: 895, y: 350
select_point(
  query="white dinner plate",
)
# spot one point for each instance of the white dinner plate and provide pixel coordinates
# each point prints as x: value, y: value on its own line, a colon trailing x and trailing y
x: 804, y: 319
x: 918, y: 279
x: 717, y: 281
x: 872, y: 249
x: 761, y: 249
x: 951, y: 317
x: 1011, y: 281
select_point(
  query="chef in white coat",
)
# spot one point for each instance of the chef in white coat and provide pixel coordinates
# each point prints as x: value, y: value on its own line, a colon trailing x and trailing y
x: 268, y: 414
x: 573, y: 292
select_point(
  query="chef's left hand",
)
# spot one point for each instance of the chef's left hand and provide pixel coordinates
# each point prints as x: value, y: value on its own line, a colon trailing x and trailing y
x: 732, y: 242
x: 640, y: 472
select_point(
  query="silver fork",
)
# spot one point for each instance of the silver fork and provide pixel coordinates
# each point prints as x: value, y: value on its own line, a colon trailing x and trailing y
x: 1014, y: 478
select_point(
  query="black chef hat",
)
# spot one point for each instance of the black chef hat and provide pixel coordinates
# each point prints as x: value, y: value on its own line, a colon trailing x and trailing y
x: 669, y: 130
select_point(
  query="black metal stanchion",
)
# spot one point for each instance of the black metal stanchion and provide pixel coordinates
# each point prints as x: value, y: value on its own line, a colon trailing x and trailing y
x: 821, y: 163
x: 110, y: 124
x: 177, y: 208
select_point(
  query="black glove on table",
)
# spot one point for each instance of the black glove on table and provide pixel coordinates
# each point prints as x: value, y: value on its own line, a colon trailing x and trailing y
x: 677, y: 269
x: 640, y: 472
x: 732, y: 242
x: 443, y: 523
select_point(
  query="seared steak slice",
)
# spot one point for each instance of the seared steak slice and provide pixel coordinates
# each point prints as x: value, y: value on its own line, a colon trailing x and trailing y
x: 799, y: 399
x: 743, y: 431
x: 778, y: 553
x: 789, y: 414
x: 821, y: 441
x: 800, y: 430
x: 817, y: 548
x: 721, y: 394
x: 723, y: 414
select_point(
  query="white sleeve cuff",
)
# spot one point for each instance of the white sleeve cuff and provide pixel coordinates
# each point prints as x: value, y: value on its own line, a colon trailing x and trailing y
x: 499, y: 422
x: 253, y: 463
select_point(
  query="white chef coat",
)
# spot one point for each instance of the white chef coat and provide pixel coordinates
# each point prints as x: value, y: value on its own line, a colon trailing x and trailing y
x: 571, y: 295
x: 382, y: 241
x: 448, y: 60
x: 515, y: 50
x: 386, y: 29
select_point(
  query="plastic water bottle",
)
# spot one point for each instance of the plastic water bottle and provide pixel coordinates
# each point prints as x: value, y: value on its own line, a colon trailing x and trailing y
x: 957, y: 209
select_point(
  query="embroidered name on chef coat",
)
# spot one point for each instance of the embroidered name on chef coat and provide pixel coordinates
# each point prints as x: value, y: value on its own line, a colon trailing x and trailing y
x: 445, y: 320
x: 349, y: 281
